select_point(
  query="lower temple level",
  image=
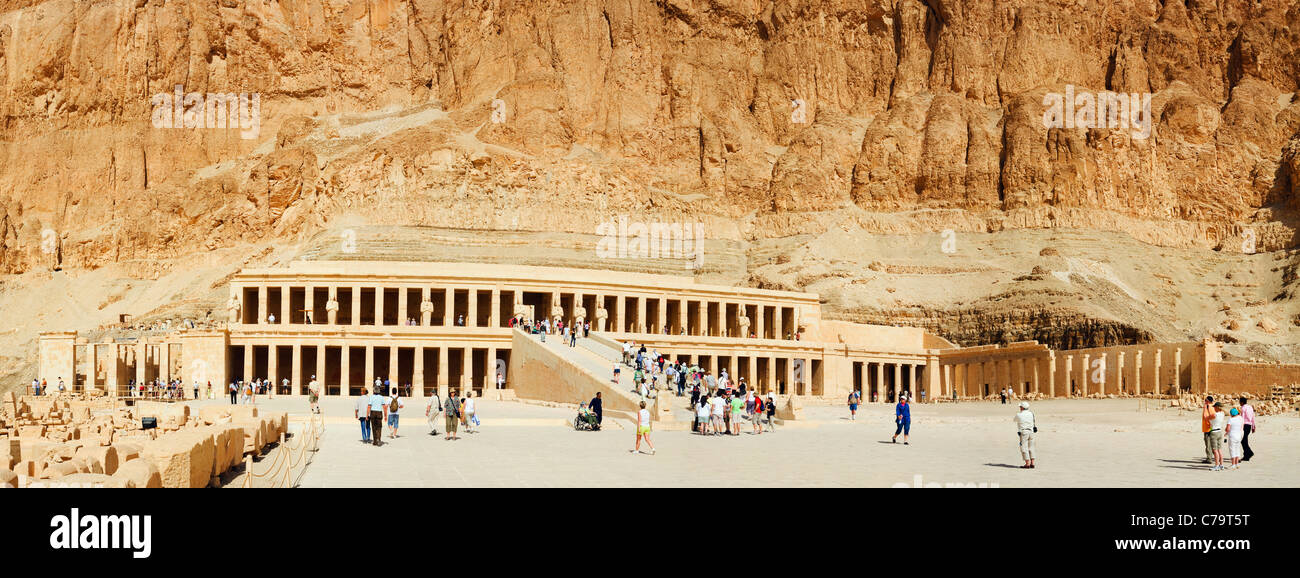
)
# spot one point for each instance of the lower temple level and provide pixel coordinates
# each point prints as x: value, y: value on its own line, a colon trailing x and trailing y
x: 434, y: 326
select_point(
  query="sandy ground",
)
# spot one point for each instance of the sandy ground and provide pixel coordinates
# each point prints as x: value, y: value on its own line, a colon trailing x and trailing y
x: 1081, y: 443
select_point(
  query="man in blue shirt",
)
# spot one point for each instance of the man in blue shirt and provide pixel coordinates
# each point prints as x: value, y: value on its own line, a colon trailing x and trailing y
x: 378, y: 413
x: 902, y: 417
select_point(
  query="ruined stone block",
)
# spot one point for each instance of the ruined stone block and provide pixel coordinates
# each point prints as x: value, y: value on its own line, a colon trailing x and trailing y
x: 138, y: 473
x: 183, y: 459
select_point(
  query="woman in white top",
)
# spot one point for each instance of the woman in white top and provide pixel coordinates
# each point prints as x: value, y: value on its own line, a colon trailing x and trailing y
x: 702, y: 415
x: 1236, y: 430
x: 643, y: 430
x: 470, y: 412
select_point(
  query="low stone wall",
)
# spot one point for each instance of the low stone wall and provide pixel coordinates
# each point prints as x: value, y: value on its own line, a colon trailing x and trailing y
x: 1257, y: 379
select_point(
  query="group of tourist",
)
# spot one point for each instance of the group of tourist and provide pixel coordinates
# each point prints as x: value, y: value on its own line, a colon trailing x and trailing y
x: 40, y: 387
x: 721, y: 411
x: 384, y: 404
x: 1232, y: 427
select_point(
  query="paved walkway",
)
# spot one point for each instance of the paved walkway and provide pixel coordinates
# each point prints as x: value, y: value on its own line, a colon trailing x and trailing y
x: 1083, y: 443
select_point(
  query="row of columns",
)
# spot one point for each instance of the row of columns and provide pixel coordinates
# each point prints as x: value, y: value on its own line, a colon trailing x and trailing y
x: 298, y: 382
x: 1079, y: 374
x: 798, y: 372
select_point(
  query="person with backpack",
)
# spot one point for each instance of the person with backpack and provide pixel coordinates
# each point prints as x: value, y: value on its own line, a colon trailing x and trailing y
x: 234, y: 393
x: 452, y: 411
x: 759, y: 410
x: 395, y: 405
x: 770, y: 405
x: 471, y: 413
x: 431, y: 412
x: 854, y: 399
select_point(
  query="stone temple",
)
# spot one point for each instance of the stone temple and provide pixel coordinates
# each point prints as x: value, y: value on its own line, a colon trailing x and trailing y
x: 432, y: 326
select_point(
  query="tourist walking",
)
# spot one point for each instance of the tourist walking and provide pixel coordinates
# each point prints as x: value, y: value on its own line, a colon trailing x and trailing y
x: 1248, y: 420
x: 903, y: 418
x: 643, y: 430
x: 1236, y: 431
x: 1218, y: 421
x: 361, y: 411
x: 432, y: 411
x: 452, y: 410
x: 377, y: 409
x: 614, y: 379
x: 471, y: 413
x: 716, y: 408
x: 234, y: 392
x: 395, y: 405
x: 770, y: 406
x: 1026, y: 427
x: 854, y: 399
x: 313, y: 394
x: 701, y: 415
x: 1003, y: 392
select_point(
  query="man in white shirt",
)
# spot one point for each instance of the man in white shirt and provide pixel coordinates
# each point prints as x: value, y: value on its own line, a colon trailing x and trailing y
x: 361, y: 411
x: 716, y: 405
x: 1025, y: 428
x: 395, y: 405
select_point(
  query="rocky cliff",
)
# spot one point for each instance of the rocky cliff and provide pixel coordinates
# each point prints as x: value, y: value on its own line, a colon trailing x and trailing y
x: 772, y: 122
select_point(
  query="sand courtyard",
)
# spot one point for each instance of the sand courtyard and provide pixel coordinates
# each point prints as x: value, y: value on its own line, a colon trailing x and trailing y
x: 1082, y: 443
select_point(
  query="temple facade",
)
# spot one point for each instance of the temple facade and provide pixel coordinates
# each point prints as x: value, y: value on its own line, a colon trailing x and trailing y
x: 432, y: 326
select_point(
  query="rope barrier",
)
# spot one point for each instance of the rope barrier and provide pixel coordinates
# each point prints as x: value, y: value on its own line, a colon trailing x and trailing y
x: 289, y: 457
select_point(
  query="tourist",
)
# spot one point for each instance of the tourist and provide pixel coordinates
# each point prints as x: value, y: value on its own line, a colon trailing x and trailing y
x: 737, y: 413
x: 597, y: 406
x: 501, y: 380
x: 770, y: 406
x: 757, y: 416
x: 643, y: 430
x: 36, y: 386
x: 617, y: 370
x: 1248, y: 419
x: 701, y: 406
x: 377, y: 409
x: 395, y: 405
x: 361, y: 411
x: 452, y: 411
x: 573, y: 336
x: 854, y: 398
x: 903, y: 417
x: 431, y: 412
x: 196, y: 390
x: 922, y: 396
x: 248, y: 393
x: 471, y: 413
x: 716, y: 405
x: 234, y: 392
x: 1218, y: 422
x: 313, y: 395
x: 1026, y: 427
x: 1236, y: 431
x: 1207, y: 413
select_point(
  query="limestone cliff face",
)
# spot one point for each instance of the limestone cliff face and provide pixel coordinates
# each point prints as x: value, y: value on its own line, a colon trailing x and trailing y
x: 765, y: 118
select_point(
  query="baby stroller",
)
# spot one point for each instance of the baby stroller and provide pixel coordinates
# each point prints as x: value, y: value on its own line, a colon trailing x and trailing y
x: 585, y: 420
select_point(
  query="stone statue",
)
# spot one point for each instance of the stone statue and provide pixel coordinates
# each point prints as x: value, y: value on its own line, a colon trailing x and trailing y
x: 744, y: 325
x: 601, y: 315
x: 233, y: 307
x: 580, y: 314
x: 426, y: 311
x: 332, y: 310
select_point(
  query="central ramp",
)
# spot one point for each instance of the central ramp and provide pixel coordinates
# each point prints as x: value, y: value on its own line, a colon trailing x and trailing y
x: 553, y: 371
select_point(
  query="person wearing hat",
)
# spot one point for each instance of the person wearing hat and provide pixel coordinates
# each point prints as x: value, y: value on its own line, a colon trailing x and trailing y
x: 1025, y: 429
x: 903, y: 418
x: 1236, y: 429
x: 313, y: 394
x: 1217, y: 423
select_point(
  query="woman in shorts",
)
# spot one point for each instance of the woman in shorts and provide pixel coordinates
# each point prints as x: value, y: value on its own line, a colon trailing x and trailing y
x: 643, y: 430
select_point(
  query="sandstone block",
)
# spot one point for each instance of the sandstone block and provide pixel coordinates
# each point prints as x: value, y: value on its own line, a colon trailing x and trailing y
x: 184, y: 459
x: 102, y: 459
x: 137, y: 474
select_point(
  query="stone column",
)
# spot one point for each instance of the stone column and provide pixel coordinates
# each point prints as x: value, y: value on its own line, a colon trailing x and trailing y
x: 704, y: 318
x: 642, y: 324
x: 734, y: 368
x: 1155, y: 374
x: 320, y: 372
x: 261, y: 304
x: 110, y: 369
x: 379, y: 305
x: 286, y: 312
x: 620, y: 308
x: 1105, y: 372
x: 490, y: 376
x: 90, y: 364
x: 370, y: 366
x: 164, y: 365
x: 757, y: 322
x: 916, y: 379
x: 356, y: 305
x: 682, y: 309
x: 721, y: 319
x: 309, y: 303
x: 898, y: 378
x: 933, y: 379
x: 394, y: 376
x: 417, y: 372
x: 402, y: 312
x: 1178, y: 369
x: 1137, y: 372
x: 448, y: 309
x: 880, y: 382
x: 471, y: 312
x: 248, y: 365
x: 777, y: 328
x: 345, y: 369
x: 1051, y: 373
x: 752, y: 364
x: 444, y: 367
x: 467, y: 367
x: 295, y: 371
x: 1038, y: 385
x: 272, y: 365
x: 663, y: 316
x: 1119, y: 372
x: 494, y: 316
